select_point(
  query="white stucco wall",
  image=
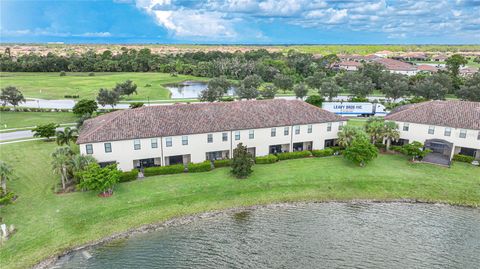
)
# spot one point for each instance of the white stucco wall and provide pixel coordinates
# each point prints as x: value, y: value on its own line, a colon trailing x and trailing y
x: 124, y: 154
x: 419, y: 132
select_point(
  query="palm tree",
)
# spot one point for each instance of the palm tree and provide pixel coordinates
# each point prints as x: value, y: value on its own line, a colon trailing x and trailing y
x: 80, y: 162
x: 390, y: 133
x: 65, y: 136
x: 375, y: 128
x: 6, y: 173
x: 62, y: 160
x: 348, y: 133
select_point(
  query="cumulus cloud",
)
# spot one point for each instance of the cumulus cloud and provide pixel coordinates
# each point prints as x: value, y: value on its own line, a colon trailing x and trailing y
x: 226, y: 19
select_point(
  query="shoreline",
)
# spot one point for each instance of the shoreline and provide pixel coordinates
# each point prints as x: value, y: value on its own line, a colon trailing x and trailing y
x: 177, y: 221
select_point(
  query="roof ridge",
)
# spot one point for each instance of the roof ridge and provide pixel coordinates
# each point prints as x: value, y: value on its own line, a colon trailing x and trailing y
x: 413, y: 106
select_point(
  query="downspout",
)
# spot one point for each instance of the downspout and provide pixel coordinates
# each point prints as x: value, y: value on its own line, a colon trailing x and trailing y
x: 291, y: 140
x: 162, y: 160
x: 231, y: 145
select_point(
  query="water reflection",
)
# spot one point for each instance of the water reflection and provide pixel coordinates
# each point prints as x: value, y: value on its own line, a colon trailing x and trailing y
x: 190, y: 89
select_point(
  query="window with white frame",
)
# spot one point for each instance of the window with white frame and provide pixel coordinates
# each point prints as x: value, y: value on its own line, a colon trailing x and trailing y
x: 224, y: 137
x: 406, y: 127
x: 184, y: 140
x: 168, y: 142
x: 297, y: 129
x: 273, y: 132
x: 340, y: 126
x: 286, y: 130
x: 136, y: 144
x: 309, y: 129
x: 329, y: 127
x: 154, y: 143
x: 237, y: 135
x: 89, y: 148
x: 448, y: 131
x: 108, y: 147
x: 251, y: 134
x: 431, y: 130
x: 210, y: 138
x: 463, y: 133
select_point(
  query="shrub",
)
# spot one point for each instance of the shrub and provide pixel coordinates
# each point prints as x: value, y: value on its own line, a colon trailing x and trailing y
x: 361, y: 151
x: 266, y: 159
x: 222, y: 163
x: 136, y: 104
x: 463, y: 158
x: 397, y: 149
x: 380, y: 146
x: 148, y: 85
x: 129, y: 176
x: 227, y: 99
x: 199, y: 167
x: 6, y: 199
x: 294, y: 155
x: 62, y: 73
x: 91, y: 74
x: 242, y: 162
x: 315, y: 100
x: 164, y: 170
x: 323, y: 152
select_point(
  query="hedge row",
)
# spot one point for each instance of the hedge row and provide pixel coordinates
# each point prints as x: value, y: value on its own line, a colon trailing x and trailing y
x: 164, y: 170
x: 129, y: 176
x: 463, y: 158
x: 293, y: 155
x: 222, y: 163
x: 199, y: 167
x: 33, y: 109
x: 266, y: 159
x: 323, y: 152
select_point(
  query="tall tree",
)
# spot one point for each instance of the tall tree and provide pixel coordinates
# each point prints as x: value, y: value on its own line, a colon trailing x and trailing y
x: 300, y: 90
x: 348, y: 134
x: 108, y: 97
x: 373, y: 71
x: 433, y: 87
x: 315, y: 81
x: 268, y: 92
x: 211, y: 94
x: 6, y: 173
x: 45, y: 130
x: 471, y: 89
x: 249, y: 87
x: 283, y: 82
x: 453, y: 64
x: 329, y: 88
x: 220, y: 82
x: 390, y: 133
x: 65, y: 136
x: 394, y: 86
x: 242, y: 162
x: 11, y: 95
x: 375, y: 128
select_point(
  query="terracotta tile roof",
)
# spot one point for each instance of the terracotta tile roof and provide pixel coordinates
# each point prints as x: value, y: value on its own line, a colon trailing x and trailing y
x: 183, y: 119
x: 349, y: 63
x: 456, y: 114
x: 426, y: 67
x: 391, y: 64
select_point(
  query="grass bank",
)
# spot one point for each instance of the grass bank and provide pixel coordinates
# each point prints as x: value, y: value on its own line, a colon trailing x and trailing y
x: 53, y: 86
x: 49, y: 224
x: 9, y: 120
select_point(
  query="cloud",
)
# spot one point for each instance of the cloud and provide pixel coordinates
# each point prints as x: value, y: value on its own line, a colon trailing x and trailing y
x: 95, y: 34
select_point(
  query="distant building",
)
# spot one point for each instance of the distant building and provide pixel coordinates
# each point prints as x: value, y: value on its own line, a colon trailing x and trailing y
x: 398, y: 67
x: 468, y: 71
x: 427, y: 68
x: 411, y: 56
x: 348, y: 65
x: 184, y: 133
x: 383, y: 53
x: 445, y: 127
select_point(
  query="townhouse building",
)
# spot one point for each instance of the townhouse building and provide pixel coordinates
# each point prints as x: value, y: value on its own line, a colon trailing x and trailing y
x: 184, y: 133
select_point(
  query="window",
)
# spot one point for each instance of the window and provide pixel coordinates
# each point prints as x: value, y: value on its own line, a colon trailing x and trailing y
x: 340, y: 126
x: 309, y: 130
x: 273, y: 132
x: 210, y: 138
x: 448, y: 131
x: 329, y: 127
x: 108, y: 147
x: 406, y: 127
x: 478, y: 136
x: 184, y: 140
x: 89, y: 148
x: 463, y: 133
x: 431, y: 129
x: 286, y: 130
x: 237, y: 135
x: 251, y: 134
x: 154, y: 143
x: 297, y: 129
x: 224, y: 136
x: 136, y: 144
x: 168, y: 142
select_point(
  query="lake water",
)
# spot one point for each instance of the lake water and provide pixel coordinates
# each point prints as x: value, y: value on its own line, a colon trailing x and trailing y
x: 189, y: 89
x: 323, y: 235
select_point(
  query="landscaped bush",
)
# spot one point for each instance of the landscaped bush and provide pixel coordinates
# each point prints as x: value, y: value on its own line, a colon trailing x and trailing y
x: 337, y: 150
x: 62, y: 73
x: 199, y: 167
x: 323, y: 152
x: 294, y: 155
x: 222, y: 163
x: 463, y: 158
x: 91, y: 74
x: 33, y: 109
x: 129, y: 176
x: 380, y: 146
x: 397, y: 149
x: 266, y: 159
x: 164, y: 170
x: 227, y: 99
x: 6, y: 199
x: 72, y: 96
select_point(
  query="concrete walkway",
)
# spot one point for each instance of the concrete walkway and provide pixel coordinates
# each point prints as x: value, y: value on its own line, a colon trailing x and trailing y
x: 26, y: 134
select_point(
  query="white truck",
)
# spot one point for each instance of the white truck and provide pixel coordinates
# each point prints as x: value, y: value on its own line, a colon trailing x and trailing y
x: 353, y: 109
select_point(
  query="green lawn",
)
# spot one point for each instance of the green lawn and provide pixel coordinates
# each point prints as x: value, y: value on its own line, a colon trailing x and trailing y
x: 357, y: 122
x: 48, y: 224
x: 53, y: 86
x: 9, y: 120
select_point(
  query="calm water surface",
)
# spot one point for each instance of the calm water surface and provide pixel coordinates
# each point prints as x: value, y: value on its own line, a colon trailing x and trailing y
x: 190, y: 89
x: 328, y: 235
